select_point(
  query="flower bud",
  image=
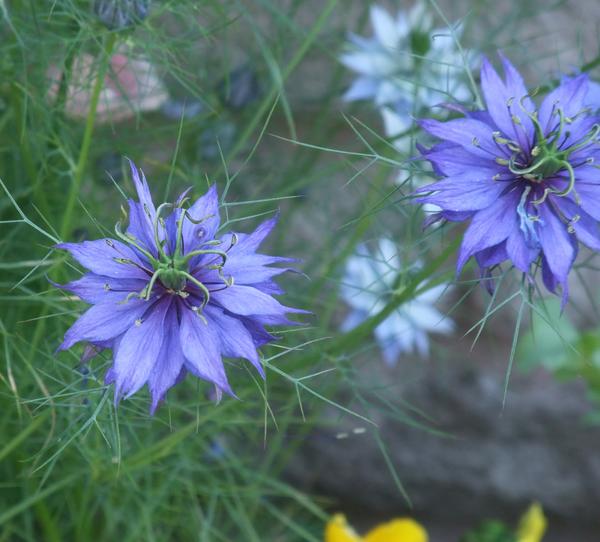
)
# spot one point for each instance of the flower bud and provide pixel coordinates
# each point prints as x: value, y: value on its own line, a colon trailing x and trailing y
x: 120, y: 14
x: 240, y: 88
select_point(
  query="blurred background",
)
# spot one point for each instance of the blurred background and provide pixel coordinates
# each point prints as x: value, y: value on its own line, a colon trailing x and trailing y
x: 476, y: 426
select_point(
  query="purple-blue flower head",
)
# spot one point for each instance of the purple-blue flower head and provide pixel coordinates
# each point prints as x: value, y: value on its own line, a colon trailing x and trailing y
x: 170, y: 297
x: 527, y: 178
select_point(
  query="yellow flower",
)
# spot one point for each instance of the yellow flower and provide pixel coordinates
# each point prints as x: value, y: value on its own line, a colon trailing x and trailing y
x: 338, y: 530
x: 532, y: 525
x: 397, y: 530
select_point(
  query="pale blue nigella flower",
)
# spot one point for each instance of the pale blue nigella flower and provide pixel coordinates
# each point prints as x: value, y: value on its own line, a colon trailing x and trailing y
x: 406, y: 62
x: 367, y: 285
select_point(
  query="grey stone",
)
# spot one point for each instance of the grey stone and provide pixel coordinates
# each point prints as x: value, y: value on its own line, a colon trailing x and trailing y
x: 493, y: 462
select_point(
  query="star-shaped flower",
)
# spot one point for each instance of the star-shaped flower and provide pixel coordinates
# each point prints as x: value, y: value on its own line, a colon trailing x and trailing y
x: 406, y: 62
x: 368, y: 282
x: 169, y: 296
x: 525, y: 177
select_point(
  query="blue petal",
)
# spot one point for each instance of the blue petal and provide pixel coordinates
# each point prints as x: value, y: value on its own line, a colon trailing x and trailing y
x: 363, y: 88
x: 167, y: 370
x: 569, y: 96
x: 251, y: 242
x: 100, y: 257
x: 104, y: 321
x: 559, y: 247
x: 94, y: 289
x: 590, y: 199
x: 143, y: 214
x: 491, y: 256
x: 248, y: 301
x: 250, y: 271
x: 260, y: 335
x: 236, y: 340
x: 205, y: 211
x: 592, y: 99
x: 456, y: 160
x: 201, y: 347
x: 505, y: 102
x: 466, y: 192
x: 475, y: 136
x: 138, y: 350
x: 269, y: 287
x: 171, y: 230
x: 143, y: 191
x: 489, y: 227
x: 141, y: 227
x: 519, y: 251
x: 585, y: 227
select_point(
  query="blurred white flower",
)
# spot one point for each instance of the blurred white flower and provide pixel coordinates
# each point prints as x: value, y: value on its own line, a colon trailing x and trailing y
x: 395, y: 127
x: 367, y: 284
x: 406, y: 63
x: 132, y: 85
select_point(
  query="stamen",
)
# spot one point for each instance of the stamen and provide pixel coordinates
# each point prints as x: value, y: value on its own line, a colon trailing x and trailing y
x: 129, y: 296
x: 158, y: 220
x: 530, y: 169
x: 589, y: 138
x: 220, y: 253
x: 197, y: 221
x: 574, y: 220
x: 147, y: 291
x: 181, y: 203
x: 227, y: 280
x: 198, y: 312
x: 201, y: 286
x: 179, y: 243
x: 129, y: 239
x: 559, y: 193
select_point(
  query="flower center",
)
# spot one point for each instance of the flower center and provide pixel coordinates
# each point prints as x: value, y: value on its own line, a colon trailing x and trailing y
x: 172, y: 266
x: 172, y: 277
x: 548, y: 157
x: 420, y: 43
x: 546, y: 162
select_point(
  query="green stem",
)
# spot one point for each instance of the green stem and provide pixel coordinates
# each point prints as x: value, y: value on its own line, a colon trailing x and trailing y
x: 109, y: 45
x: 20, y: 122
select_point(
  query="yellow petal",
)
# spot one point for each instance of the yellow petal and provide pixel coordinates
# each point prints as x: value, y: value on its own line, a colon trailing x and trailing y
x: 398, y: 530
x: 338, y: 530
x: 532, y: 525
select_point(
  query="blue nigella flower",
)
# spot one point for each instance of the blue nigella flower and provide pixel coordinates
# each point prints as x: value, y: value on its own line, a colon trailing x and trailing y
x: 170, y: 297
x: 526, y: 178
